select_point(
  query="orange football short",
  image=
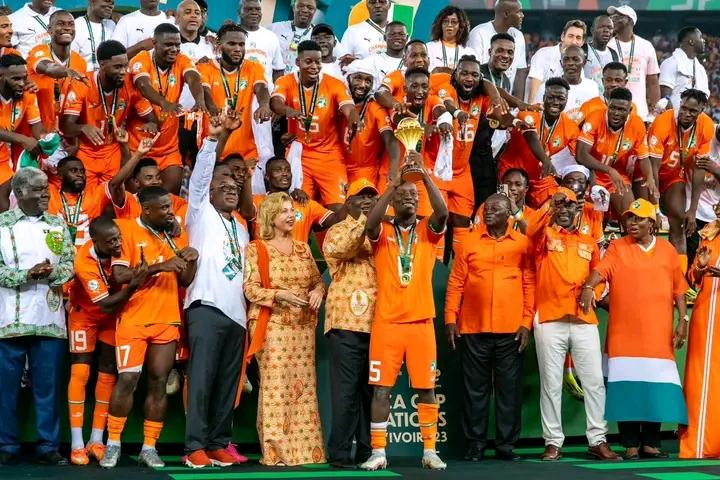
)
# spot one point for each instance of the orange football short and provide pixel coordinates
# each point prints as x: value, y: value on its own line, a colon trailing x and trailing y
x: 131, y: 343
x: 393, y: 343
x: 84, y: 331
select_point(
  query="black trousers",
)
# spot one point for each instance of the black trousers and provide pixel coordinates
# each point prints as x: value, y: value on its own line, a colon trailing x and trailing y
x: 491, y: 362
x: 350, y: 395
x: 216, y: 350
x: 639, y: 434
x: 693, y: 241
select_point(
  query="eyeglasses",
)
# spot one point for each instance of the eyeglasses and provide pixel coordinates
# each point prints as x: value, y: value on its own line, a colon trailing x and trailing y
x: 450, y: 22
x: 226, y: 189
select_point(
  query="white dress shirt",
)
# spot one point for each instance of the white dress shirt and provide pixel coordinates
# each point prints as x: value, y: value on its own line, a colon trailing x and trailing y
x: 88, y: 39
x: 680, y: 73
x: 136, y: 27
x: 33, y: 307
x: 29, y: 28
x: 479, y: 41
x: 210, y: 234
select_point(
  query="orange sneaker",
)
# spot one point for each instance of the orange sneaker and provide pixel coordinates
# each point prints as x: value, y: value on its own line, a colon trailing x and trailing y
x: 95, y: 450
x: 198, y: 459
x: 79, y: 457
x: 220, y: 458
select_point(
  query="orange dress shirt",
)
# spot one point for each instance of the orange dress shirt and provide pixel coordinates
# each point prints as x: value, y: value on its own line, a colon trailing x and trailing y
x: 491, y: 288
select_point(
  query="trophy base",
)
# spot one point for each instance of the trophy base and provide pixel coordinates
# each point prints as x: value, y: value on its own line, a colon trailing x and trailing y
x: 411, y: 175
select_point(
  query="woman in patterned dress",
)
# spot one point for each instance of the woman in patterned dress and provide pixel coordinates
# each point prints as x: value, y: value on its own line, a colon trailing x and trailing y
x: 282, y: 320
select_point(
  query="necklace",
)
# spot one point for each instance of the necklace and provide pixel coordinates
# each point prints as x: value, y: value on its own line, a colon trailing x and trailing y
x: 444, y: 54
x: 684, y: 150
x: 91, y: 37
x: 231, y: 99
x: 632, y: 53
x: 72, y: 218
x: 167, y: 239
x: 307, y: 115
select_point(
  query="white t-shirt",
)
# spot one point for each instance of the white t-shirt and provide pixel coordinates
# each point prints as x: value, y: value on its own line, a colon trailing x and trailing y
x: 545, y: 64
x: 263, y: 46
x: 219, y: 271
x: 596, y: 60
x: 383, y: 65
x: 435, y: 51
x: 678, y: 71
x: 644, y: 63
x: 479, y: 41
x: 333, y: 69
x: 29, y: 28
x: 289, y: 39
x: 136, y: 27
x: 579, y: 94
x: 85, y: 43
x: 195, y: 51
x: 710, y: 195
x: 362, y: 40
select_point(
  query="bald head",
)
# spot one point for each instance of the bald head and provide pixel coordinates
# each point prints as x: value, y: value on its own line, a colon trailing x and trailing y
x: 189, y: 18
x: 508, y: 13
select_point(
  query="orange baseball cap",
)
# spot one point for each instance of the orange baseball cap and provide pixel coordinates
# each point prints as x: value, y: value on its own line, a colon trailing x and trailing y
x: 569, y: 194
x: 642, y: 208
x: 359, y: 185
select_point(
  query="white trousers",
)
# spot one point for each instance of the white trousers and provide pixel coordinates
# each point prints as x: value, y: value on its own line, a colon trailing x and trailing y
x: 552, y: 341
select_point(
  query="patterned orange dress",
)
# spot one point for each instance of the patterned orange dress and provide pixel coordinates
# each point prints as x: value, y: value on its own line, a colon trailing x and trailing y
x: 288, y: 422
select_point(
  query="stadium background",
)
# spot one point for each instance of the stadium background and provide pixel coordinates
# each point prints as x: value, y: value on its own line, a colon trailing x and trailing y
x: 659, y: 20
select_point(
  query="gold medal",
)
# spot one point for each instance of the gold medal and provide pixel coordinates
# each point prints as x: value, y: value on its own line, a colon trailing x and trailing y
x: 405, y: 278
x: 493, y: 123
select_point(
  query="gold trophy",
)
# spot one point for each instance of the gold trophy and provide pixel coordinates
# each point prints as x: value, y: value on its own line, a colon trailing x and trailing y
x: 410, y: 132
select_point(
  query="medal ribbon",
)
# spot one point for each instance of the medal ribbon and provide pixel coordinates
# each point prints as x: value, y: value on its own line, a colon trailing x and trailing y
x: 405, y: 255
x: 691, y: 139
x: 71, y: 218
x: 102, y: 271
x: 632, y: 53
x: 375, y: 26
x: 113, y: 106
x: 226, y: 85
x: 167, y: 82
x: 233, y: 238
x: 457, y: 54
x: 308, y: 115
x: 544, y: 140
x: 618, y: 144
x: 92, y: 38
x: 40, y: 21
x: 164, y: 239
x: 296, y: 38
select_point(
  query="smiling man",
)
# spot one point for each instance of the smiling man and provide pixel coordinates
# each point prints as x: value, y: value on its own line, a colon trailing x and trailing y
x: 597, y: 51
x: 135, y: 30
x: 291, y: 32
x: 582, y: 88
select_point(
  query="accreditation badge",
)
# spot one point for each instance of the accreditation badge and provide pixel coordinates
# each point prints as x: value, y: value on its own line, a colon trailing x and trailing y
x: 359, y: 302
x: 231, y: 270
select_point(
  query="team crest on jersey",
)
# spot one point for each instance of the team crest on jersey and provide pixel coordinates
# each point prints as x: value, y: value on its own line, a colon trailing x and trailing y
x: 39, y: 54
x: 93, y: 285
x: 243, y: 84
x: 475, y: 111
x: 16, y: 112
x: 137, y: 66
x: 298, y: 215
x: 121, y: 104
x: 653, y: 140
x: 626, y: 145
x: 322, y: 102
x: 585, y: 230
x: 442, y: 93
x: 172, y: 80
x: 556, y: 142
x: 587, y: 127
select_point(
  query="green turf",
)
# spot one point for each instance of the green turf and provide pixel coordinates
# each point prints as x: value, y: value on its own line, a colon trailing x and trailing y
x: 635, y: 465
x: 679, y: 476
x: 280, y: 475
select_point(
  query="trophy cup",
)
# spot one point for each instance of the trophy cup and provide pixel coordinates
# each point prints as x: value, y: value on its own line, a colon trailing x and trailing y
x: 409, y: 132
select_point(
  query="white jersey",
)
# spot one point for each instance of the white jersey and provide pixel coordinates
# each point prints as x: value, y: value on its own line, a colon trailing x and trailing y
x: 196, y: 51
x: 136, y: 27
x: 710, y: 195
x: 29, y: 28
x: 679, y: 73
x: 363, y: 39
x: 263, y: 46
x: 479, y: 41
x: 382, y: 64
x: 640, y: 54
x: 545, y: 64
x: 88, y: 35
x: 441, y: 56
x: 579, y: 94
x: 289, y: 38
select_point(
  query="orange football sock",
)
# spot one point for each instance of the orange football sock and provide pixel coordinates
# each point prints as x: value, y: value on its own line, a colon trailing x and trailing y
x: 103, y: 391
x: 428, y: 417
x: 151, y: 432
x: 378, y: 435
x: 684, y: 263
x: 79, y: 375
x: 115, y: 427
